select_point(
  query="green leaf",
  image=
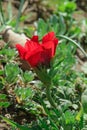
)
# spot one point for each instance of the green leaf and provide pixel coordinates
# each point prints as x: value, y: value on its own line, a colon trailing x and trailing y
x: 4, y: 104
x: 14, y: 124
x: 2, y: 82
x: 44, y: 124
x: 53, y: 20
x: 84, y: 101
x: 67, y: 6
x: 11, y: 72
x: 10, y: 53
x: 1, y: 85
x: 79, y: 114
x: 69, y: 117
x: 1, y: 72
x: 29, y: 31
x: 3, y: 96
x: 28, y: 76
x: 24, y: 93
x: 9, y: 9
x: 70, y: 6
x: 42, y: 28
x: 62, y: 26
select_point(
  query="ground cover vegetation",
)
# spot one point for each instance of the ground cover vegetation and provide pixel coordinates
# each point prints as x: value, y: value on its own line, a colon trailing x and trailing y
x: 43, y: 65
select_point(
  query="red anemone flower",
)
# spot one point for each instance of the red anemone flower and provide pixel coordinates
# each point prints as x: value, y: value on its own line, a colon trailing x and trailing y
x: 38, y: 53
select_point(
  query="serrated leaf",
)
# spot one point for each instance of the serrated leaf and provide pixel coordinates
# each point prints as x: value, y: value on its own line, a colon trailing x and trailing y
x: 42, y: 28
x: 69, y: 117
x: 28, y: 76
x: 11, y: 72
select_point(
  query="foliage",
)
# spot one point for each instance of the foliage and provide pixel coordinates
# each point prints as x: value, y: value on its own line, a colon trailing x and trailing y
x: 68, y: 86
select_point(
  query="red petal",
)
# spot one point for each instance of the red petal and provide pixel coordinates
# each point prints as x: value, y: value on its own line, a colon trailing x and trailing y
x: 34, y: 38
x: 21, y: 50
x: 33, y: 52
x: 48, y: 37
x: 55, y: 40
x: 35, y: 59
x: 30, y: 45
x: 47, y: 56
x: 50, y: 45
x: 49, y: 41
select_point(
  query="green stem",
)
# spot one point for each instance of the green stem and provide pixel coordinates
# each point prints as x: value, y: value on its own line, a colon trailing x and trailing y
x: 2, y: 14
x: 19, y: 14
x: 49, y: 97
x: 45, y: 78
x: 65, y: 37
